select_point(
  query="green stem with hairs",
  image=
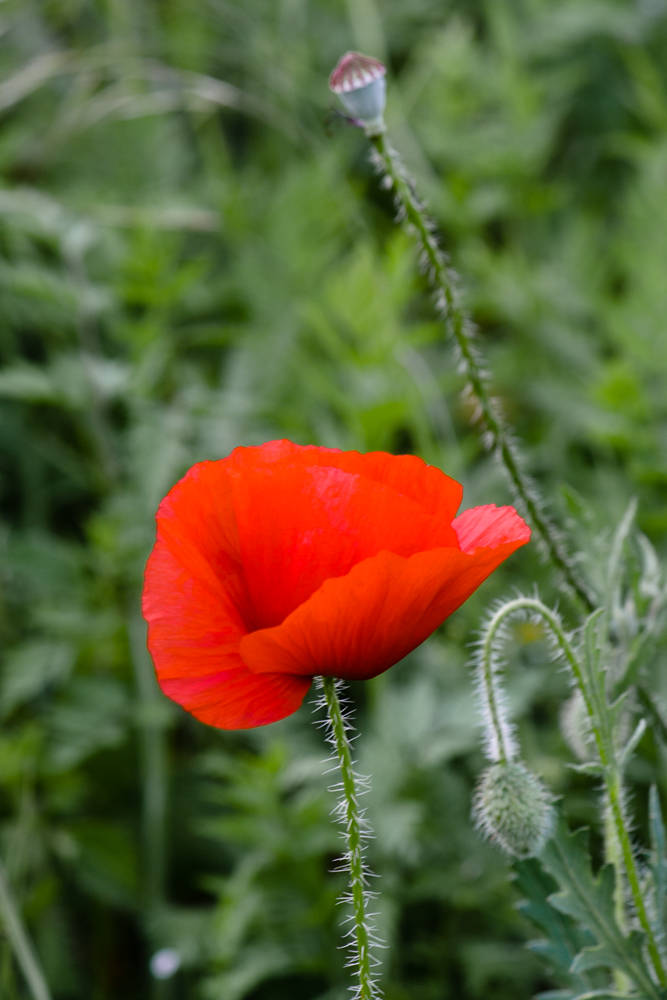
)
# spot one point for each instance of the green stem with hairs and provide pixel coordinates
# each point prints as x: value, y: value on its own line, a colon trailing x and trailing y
x: 487, y: 675
x: 354, y: 832
x: 600, y: 720
x: 22, y: 946
x: 460, y: 327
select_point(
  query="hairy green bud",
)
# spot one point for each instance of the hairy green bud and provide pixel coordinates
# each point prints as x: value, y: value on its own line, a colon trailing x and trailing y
x: 513, y: 809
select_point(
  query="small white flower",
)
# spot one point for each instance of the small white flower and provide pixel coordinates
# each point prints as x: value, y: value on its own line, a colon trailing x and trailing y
x: 165, y: 963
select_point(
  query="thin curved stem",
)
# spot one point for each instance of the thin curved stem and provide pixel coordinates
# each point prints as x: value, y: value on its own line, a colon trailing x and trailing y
x: 355, y: 828
x: 501, y: 748
x: 598, y: 713
x: 26, y: 956
x: 461, y: 329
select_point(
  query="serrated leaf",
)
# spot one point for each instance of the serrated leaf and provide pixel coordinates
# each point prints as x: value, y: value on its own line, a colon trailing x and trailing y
x: 30, y: 383
x: 103, y: 860
x: 658, y: 860
x: 606, y: 995
x: 617, y: 707
x: 590, y: 768
x: 591, y: 995
x: 632, y: 744
x: 593, y: 675
x: 548, y: 951
x: 594, y: 958
x: 658, y: 839
x: 615, y: 564
x: 92, y: 716
x: 31, y: 669
x: 589, y: 899
x: 590, y: 958
x: 564, y: 938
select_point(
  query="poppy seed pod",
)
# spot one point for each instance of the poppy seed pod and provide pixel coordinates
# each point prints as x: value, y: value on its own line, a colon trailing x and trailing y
x: 513, y: 808
x: 359, y: 82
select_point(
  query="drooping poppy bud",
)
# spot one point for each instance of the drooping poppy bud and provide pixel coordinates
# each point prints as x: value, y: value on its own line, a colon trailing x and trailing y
x: 359, y: 81
x: 513, y: 809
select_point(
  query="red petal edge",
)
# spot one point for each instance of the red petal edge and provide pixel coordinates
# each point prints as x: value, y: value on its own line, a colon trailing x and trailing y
x: 194, y: 645
x: 359, y: 625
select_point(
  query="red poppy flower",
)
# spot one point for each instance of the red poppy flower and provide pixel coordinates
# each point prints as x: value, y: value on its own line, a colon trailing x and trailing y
x: 283, y: 562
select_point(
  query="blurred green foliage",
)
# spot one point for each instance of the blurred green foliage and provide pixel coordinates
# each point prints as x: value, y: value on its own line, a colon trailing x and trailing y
x: 194, y: 256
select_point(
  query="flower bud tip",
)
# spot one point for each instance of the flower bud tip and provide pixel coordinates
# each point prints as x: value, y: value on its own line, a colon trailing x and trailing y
x: 359, y: 82
x: 355, y: 71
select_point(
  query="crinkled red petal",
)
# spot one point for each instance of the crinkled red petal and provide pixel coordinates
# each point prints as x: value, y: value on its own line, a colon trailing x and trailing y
x: 360, y: 625
x: 407, y: 475
x: 301, y: 525
x: 194, y: 633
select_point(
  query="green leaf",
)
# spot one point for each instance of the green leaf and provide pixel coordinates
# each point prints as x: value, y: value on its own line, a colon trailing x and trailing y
x: 658, y: 861
x: 658, y: 839
x: 593, y: 675
x: 606, y: 995
x: 103, y: 859
x: 589, y: 900
x: 615, y: 565
x: 591, y: 995
x: 564, y: 938
x: 92, y: 717
x: 632, y: 744
x: 556, y: 995
x: 31, y: 669
x: 29, y: 383
x: 590, y: 768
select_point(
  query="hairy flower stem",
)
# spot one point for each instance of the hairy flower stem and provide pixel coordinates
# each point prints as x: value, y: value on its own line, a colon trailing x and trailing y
x: 20, y: 941
x: 460, y: 327
x: 501, y: 749
x: 592, y: 690
x: 354, y: 833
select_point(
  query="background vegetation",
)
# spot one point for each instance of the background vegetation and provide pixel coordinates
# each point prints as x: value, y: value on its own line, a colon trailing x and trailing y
x: 192, y: 256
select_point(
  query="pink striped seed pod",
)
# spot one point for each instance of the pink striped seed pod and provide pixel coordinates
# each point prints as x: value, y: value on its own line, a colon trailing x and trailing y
x: 359, y: 82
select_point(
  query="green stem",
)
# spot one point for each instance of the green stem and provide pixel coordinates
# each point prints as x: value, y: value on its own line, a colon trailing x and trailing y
x: 154, y: 769
x: 354, y: 832
x: 598, y: 714
x: 615, y: 792
x: 503, y: 750
x: 614, y: 856
x: 461, y: 329
x: 24, y: 951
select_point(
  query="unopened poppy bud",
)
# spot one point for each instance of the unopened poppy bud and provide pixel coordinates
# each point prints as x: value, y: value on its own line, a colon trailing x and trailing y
x: 513, y: 808
x: 359, y: 82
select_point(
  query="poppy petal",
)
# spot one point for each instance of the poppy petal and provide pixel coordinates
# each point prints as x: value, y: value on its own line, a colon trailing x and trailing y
x: 486, y: 527
x: 239, y: 699
x: 299, y: 526
x: 197, y: 523
x: 193, y: 637
x: 359, y: 625
x: 407, y: 475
